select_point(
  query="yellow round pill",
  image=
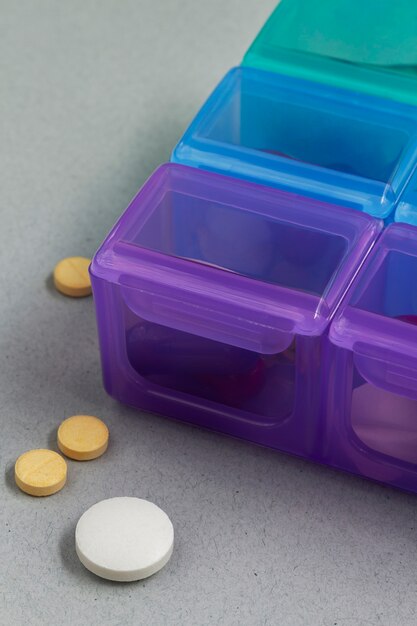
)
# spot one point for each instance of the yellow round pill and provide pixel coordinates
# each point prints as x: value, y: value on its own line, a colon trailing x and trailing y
x: 71, y: 277
x: 83, y: 437
x: 40, y: 472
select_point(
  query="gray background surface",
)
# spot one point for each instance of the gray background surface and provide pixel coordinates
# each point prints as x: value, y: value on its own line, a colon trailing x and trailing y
x: 93, y: 95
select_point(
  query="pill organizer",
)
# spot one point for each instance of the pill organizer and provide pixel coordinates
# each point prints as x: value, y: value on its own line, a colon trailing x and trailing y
x: 330, y: 144
x: 240, y: 292
x: 273, y: 50
x: 406, y: 210
x: 371, y: 413
x: 213, y: 298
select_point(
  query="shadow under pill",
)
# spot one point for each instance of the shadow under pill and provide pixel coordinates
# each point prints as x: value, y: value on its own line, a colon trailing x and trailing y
x: 52, y: 440
x: 68, y: 554
x: 50, y: 287
x: 9, y: 479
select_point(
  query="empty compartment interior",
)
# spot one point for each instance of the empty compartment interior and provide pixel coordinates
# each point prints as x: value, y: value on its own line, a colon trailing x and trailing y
x: 250, y: 244
x: 258, y: 387
x: 309, y: 129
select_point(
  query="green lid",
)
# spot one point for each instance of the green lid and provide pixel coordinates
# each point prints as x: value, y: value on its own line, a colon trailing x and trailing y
x: 366, y: 46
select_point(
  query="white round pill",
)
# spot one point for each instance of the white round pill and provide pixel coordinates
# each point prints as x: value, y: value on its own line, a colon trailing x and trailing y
x: 124, y: 539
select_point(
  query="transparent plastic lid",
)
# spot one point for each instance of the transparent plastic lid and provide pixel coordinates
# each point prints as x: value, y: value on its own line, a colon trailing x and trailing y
x: 232, y: 260
x: 379, y: 317
x: 327, y: 143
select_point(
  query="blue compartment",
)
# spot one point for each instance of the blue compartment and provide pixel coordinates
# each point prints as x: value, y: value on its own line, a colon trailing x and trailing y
x: 406, y: 210
x: 327, y: 143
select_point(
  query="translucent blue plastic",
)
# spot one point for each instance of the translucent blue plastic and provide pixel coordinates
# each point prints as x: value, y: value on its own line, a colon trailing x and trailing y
x: 406, y: 210
x: 331, y: 144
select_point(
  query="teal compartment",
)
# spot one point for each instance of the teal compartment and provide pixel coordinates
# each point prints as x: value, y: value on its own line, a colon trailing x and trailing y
x: 368, y: 47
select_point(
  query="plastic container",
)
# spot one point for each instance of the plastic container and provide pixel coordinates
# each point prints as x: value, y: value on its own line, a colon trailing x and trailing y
x: 213, y: 297
x: 406, y: 209
x: 312, y: 51
x: 371, y: 416
x: 330, y: 144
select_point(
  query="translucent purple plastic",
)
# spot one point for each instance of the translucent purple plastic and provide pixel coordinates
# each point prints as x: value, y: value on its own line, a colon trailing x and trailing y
x: 214, y: 298
x: 371, y: 413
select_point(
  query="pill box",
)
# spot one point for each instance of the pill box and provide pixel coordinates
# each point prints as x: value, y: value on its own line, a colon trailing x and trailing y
x: 331, y: 144
x: 303, y: 54
x: 371, y: 416
x: 406, y: 209
x: 213, y: 299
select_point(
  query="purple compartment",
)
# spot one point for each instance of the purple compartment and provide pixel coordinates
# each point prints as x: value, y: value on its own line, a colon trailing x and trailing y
x: 371, y: 413
x: 213, y: 298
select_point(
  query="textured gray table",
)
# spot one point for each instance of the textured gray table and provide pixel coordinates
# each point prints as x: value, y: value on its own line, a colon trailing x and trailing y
x: 93, y: 95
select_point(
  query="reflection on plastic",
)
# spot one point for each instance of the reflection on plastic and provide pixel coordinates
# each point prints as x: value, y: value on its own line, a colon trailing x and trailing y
x: 260, y: 384
x: 409, y: 319
x: 385, y: 422
x: 339, y: 167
